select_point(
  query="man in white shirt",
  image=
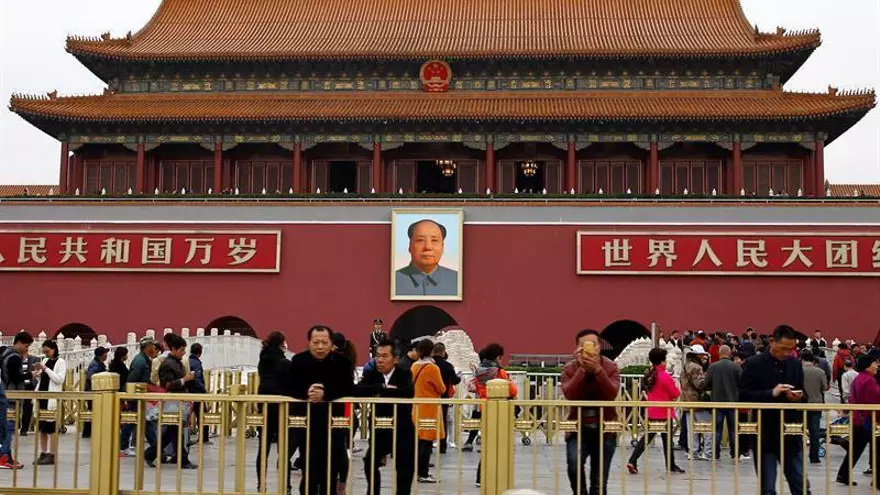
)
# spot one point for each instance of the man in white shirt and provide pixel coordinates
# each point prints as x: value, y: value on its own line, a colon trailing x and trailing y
x: 389, y: 379
x: 846, y: 380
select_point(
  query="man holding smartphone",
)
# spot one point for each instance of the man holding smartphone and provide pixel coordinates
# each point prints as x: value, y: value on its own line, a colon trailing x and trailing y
x: 777, y: 377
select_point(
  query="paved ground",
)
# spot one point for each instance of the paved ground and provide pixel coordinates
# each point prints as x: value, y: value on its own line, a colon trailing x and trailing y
x: 457, y: 471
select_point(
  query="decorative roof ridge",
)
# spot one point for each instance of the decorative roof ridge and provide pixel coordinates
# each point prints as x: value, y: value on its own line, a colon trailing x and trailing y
x: 836, y: 92
x: 782, y: 32
x: 860, y: 93
x: 104, y: 39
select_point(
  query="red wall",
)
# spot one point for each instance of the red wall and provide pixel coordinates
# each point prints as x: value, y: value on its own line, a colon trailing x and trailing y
x: 520, y: 288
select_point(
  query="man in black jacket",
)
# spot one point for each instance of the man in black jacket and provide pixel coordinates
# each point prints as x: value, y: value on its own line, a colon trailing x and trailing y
x: 273, y: 370
x: 318, y: 377
x: 174, y: 379
x: 389, y: 379
x: 450, y: 379
x: 776, y: 376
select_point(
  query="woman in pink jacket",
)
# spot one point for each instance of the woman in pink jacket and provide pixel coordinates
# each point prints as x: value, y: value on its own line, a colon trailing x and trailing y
x: 660, y: 387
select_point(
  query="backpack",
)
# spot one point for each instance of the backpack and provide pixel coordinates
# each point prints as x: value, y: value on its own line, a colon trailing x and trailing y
x: 5, y: 353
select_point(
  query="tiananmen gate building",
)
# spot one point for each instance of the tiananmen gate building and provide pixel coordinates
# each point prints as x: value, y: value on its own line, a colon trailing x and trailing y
x: 273, y: 164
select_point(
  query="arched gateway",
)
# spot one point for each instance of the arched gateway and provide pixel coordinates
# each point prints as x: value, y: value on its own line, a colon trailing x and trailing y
x: 420, y: 321
x: 620, y: 333
x: 232, y: 323
x: 74, y: 330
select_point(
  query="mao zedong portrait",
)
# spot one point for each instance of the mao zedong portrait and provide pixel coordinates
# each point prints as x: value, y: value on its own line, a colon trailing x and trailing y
x: 424, y: 276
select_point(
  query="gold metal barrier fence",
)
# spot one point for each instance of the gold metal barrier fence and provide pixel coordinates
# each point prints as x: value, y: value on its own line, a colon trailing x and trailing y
x: 401, y: 444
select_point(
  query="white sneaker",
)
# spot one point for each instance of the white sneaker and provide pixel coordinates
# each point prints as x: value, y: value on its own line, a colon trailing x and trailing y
x: 450, y: 445
x: 745, y: 457
x: 127, y: 453
x: 705, y: 457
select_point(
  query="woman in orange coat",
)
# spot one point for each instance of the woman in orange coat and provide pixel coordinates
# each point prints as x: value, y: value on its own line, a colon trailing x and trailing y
x: 428, y: 384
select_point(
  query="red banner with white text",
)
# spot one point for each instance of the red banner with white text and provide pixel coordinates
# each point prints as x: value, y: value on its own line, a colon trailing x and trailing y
x: 141, y: 251
x: 728, y: 253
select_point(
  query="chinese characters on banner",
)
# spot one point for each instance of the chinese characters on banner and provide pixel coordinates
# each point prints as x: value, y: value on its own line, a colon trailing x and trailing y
x: 141, y: 251
x: 723, y: 253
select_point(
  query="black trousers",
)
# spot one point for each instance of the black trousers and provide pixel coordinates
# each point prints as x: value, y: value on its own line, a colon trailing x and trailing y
x: 27, y: 416
x: 403, y: 460
x: 272, y: 436
x: 425, y: 448
x: 472, y: 435
x: 170, y: 435
x: 642, y: 444
x: 443, y: 442
x: 316, y: 455
x: 861, y: 439
x: 745, y: 441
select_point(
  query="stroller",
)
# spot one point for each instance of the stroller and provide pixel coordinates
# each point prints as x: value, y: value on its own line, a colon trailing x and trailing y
x: 839, y: 440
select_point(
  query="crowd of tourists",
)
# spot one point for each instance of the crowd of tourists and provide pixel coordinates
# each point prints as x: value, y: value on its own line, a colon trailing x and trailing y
x: 721, y: 369
x: 160, y: 366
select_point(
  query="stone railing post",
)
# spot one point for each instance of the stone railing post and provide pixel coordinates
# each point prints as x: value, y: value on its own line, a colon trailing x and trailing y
x: 498, y: 438
x: 104, y: 476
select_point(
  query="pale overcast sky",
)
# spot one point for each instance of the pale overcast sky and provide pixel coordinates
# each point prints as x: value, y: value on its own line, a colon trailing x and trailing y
x: 33, y: 60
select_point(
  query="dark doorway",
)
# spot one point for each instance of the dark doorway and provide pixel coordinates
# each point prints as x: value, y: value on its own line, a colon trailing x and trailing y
x: 621, y: 333
x: 343, y: 176
x: 232, y: 323
x: 531, y: 184
x: 430, y: 178
x: 74, y: 330
x: 420, y: 321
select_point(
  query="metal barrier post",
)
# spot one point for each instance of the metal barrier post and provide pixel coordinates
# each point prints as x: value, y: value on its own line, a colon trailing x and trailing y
x: 104, y: 479
x: 497, y: 438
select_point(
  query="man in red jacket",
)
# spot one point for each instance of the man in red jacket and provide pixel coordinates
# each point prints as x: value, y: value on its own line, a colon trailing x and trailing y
x: 590, y: 377
x: 843, y: 355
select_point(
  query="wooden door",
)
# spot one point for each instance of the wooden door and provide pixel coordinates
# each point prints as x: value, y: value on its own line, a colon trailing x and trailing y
x: 506, y: 176
x: 405, y: 176
x: 364, y: 178
x: 319, y: 176
x: 466, y: 177
x: 553, y: 177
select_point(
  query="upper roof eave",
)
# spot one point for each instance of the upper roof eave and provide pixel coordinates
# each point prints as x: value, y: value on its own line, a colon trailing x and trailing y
x: 501, y: 106
x: 110, y: 50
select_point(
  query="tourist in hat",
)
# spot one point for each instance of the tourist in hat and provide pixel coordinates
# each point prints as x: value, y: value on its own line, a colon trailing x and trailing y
x: 692, y: 389
x: 98, y: 365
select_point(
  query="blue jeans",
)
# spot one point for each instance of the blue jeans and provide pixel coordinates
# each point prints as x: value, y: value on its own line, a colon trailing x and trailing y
x: 589, y: 447
x: 792, y: 467
x: 5, y: 437
x: 722, y: 415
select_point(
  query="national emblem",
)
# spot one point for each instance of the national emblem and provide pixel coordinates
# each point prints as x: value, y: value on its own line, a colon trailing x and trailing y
x: 435, y: 76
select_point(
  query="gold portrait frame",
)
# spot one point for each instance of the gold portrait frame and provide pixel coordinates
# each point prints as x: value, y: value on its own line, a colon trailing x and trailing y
x: 457, y: 217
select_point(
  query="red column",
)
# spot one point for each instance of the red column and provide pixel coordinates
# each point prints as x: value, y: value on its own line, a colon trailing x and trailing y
x: 62, y: 176
x: 570, y: 164
x: 297, y: 167
x: 809, y: 175
x: 218, y: 168
x: 139, y: 175
x: 653, y: 168
x: 737, y: 183
x: 377, y: 167
x: 78, y: 180
x: 820, y: 168
x: 490, y: 167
